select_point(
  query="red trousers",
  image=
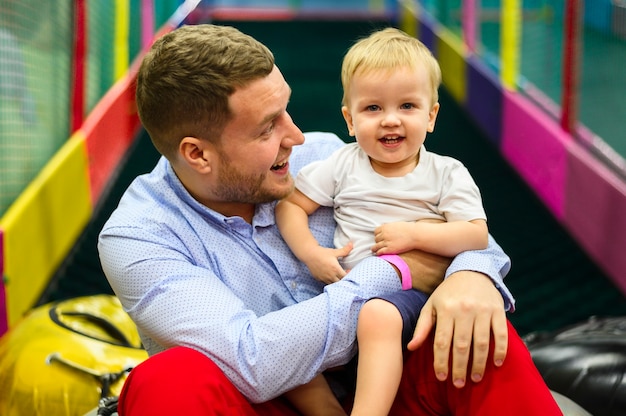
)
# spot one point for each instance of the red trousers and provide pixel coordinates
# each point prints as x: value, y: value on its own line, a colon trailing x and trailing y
x: 181, y: 381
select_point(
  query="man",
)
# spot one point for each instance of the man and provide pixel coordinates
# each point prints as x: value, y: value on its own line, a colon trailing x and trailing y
x: 229, y: 315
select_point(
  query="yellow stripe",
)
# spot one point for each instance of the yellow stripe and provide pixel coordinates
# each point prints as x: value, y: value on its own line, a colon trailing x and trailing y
x: 408, y: 17
x: 451, y: 55
x: 43, y: 223
x: 120, y: 52
x: 510, y: 43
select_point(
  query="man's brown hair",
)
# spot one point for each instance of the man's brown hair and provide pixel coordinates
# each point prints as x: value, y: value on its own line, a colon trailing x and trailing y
x: 187, y: 77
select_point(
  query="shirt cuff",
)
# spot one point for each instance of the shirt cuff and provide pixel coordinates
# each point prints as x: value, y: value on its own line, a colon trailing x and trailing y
x: 491, y: 262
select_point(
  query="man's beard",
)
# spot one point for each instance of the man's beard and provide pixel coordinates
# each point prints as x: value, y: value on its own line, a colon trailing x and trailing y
x: 236, y: 187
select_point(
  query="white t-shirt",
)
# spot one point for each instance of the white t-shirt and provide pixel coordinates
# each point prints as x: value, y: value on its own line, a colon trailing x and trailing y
x: 439, y: 187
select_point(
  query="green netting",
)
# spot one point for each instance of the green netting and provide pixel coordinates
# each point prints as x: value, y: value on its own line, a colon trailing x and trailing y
x: 100, y: 62
x: 540, y: 36
x: 134, y: 32
x: 542, y: 47
x: 36, y: 63
x: 35, y: 53
x: 163, y: 10
x: 447, y: 12
x: 102, y: 23
x: 600, y: 88
x: 602, y: 100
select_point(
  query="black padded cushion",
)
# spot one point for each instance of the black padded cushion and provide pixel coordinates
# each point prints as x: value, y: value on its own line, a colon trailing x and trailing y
x: 585, y: 362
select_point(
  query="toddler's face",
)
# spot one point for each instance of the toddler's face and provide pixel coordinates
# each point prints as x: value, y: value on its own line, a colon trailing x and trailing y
x: 390, y: 112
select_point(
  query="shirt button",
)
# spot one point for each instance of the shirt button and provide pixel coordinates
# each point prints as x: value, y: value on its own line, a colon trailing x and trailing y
x: 294, y: 285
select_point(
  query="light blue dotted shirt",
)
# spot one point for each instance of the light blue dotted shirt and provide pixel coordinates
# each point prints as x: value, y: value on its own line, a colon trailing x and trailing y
x: 190, y: 276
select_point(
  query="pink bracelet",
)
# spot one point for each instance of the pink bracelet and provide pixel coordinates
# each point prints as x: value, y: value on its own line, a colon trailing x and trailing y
x: 405, y: 272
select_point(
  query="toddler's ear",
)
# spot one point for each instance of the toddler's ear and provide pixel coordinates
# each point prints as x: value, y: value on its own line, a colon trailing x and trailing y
x: 432, y: 117
x: 347, y: 116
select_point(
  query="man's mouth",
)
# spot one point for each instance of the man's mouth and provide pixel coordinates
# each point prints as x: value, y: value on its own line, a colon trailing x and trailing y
x: 279, y: 166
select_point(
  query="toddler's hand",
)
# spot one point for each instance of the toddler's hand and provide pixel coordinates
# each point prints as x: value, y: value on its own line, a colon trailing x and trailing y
x: 393, y: 238
x: 324, y: 264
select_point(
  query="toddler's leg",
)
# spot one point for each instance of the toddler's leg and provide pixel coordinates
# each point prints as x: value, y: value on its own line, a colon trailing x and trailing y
x: 379, y: 335
x: 315, y: 398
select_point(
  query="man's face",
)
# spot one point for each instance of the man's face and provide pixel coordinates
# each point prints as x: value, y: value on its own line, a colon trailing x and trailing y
x: 256, y: 144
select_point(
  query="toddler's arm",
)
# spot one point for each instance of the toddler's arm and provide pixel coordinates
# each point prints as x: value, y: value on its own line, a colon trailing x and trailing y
x: 292, y: 218
x: 443, y: 238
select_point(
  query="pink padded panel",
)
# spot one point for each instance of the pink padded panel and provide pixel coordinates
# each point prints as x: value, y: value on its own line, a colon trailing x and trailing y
x: 595, y: 212
x: 534, y: 145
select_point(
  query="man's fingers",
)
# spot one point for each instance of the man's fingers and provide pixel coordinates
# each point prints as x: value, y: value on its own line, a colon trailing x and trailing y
x: 501, y: 338
x: 463, y: 331
x: 424, y: 325
x: 480, y: 351
x: 441, y: 348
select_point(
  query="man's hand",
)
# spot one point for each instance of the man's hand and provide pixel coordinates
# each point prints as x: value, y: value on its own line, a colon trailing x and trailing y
x: 464, y: 309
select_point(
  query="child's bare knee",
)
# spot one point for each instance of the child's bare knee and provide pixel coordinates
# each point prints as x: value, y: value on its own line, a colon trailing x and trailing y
x: 379, y: 312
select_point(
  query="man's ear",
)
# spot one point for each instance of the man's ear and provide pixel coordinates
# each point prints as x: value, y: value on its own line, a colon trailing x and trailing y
x: 196, y: 153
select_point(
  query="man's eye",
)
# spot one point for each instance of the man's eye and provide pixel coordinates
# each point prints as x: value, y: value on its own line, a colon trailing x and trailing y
x: 268, y: 130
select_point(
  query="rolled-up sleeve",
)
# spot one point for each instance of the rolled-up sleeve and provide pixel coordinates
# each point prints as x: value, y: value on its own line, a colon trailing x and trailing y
x: 492, y: 262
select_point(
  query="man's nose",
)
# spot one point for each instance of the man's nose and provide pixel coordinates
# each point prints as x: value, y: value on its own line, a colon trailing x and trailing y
x: 293, y: 134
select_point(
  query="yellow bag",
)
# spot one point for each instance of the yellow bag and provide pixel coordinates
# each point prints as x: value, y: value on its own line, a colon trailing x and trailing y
x: 63, y: 357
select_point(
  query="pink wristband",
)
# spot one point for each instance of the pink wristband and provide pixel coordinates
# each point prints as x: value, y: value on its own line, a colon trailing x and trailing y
x: 405, y: 272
